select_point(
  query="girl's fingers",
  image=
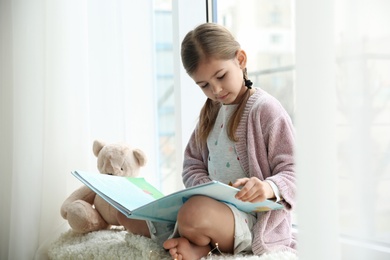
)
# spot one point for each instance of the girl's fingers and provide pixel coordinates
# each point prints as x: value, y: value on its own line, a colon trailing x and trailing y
x: 240, y: 182
x: 252, y: 191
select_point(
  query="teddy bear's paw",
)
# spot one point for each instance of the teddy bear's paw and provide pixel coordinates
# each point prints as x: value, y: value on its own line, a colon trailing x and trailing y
x: 83, y: 218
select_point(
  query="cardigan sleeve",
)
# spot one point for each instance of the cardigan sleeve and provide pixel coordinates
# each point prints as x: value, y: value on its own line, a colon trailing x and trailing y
x: 281, y: 160
x: 195, y: 167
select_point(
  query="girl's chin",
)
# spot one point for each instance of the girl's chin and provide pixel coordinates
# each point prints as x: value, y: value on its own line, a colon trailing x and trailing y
x: 225, y: 99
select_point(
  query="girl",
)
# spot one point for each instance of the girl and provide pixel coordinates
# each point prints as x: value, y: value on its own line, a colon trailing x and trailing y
x: 244, y: 137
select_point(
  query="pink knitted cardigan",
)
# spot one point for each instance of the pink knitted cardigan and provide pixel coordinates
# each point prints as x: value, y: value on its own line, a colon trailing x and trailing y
x: 265, y: 149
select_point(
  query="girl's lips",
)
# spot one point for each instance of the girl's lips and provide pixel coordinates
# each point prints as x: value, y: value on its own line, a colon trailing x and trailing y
x: 222, y: 97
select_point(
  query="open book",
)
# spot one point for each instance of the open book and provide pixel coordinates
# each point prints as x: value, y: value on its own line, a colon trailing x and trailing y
x: 138, y: 199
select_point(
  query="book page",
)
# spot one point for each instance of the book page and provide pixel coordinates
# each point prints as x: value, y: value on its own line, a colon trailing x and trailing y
x: 124, y: 193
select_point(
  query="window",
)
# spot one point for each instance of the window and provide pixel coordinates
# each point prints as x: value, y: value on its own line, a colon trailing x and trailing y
x: 174, y: 89
x: 164, y: 90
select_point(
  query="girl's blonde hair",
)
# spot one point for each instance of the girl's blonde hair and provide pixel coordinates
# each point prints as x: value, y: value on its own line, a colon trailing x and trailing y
x: 210, y: 40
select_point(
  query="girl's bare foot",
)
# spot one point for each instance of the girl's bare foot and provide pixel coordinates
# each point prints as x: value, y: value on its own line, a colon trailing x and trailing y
x: 182, y: 249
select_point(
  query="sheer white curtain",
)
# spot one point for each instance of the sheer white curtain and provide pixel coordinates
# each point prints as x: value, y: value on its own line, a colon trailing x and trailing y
x: 71, y: 72
x: 343, y: 126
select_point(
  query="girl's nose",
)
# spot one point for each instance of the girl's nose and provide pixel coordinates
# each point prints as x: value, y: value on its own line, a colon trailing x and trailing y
x: 216, y: 89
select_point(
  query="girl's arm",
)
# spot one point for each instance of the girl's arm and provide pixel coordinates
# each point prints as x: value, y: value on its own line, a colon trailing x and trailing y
x: 195, y: 167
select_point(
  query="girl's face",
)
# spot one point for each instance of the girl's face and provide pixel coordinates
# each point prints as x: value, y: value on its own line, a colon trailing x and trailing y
x: 222, y: 80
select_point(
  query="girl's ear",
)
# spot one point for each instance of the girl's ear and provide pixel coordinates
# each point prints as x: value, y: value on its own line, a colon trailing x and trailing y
x: 241, y: 57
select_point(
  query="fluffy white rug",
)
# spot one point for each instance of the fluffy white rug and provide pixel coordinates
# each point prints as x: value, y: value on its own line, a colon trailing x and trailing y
x: 119, y: 244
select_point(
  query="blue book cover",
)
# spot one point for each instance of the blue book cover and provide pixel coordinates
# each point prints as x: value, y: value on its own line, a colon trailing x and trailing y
x: 138, y: 199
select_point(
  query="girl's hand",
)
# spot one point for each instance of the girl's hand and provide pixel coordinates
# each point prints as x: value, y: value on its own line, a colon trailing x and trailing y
x: 253, y: 190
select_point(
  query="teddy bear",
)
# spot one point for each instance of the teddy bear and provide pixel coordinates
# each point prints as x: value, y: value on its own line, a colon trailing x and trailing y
x: 84, y: 209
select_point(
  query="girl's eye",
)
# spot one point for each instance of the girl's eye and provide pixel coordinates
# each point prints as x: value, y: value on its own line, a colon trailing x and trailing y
x: 204, y: 86
x: 221, y: 77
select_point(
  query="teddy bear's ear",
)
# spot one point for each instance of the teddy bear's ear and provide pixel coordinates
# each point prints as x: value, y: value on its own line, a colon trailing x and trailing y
x: 97, y: 147
x: 140, y: 156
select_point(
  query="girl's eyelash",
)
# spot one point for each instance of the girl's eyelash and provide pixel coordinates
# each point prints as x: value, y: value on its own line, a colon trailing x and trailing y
x: 221, y: 77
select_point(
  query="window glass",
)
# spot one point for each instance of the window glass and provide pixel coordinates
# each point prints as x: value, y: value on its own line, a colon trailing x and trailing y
x: 164, y: 92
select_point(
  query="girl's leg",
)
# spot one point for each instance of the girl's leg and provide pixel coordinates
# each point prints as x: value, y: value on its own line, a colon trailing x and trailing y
x: 202, y: 222
x: 135, y: 226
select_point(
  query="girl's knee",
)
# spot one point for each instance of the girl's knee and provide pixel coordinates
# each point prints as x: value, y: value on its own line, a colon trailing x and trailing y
x: 195, y: 211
